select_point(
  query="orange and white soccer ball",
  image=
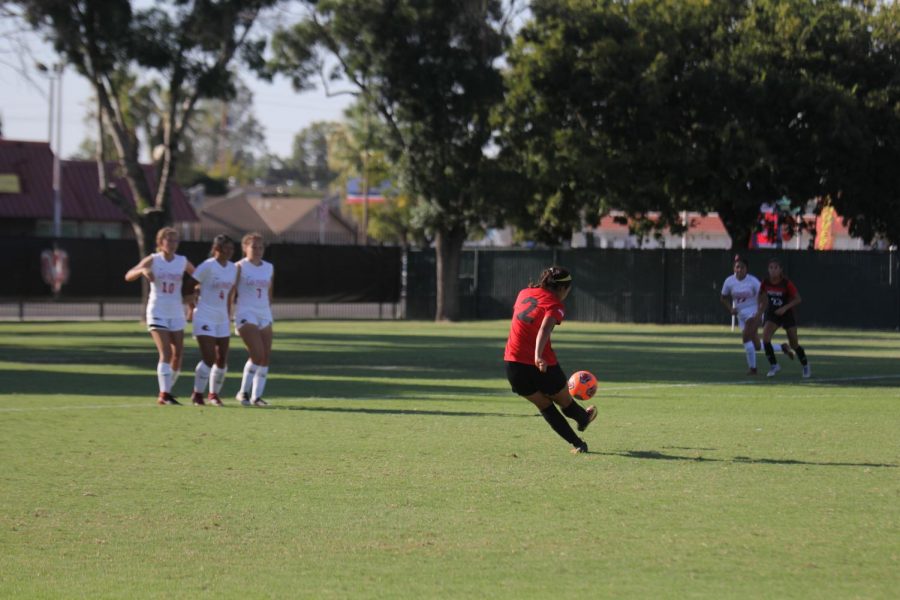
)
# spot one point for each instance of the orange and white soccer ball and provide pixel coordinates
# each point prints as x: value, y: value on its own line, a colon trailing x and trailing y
x: 582, y: 385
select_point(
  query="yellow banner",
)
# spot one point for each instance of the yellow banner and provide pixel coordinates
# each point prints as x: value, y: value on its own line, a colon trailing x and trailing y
x: 825, y: 229
x: 9, y: 184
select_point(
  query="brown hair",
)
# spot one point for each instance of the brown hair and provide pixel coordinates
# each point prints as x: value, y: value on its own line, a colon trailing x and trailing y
x: 248, y: 239
x: 219, y: 242
x: 163, y: 233
x: 554, y: 278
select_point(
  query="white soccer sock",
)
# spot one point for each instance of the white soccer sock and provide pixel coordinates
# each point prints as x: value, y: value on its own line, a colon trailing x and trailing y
x: 201, y: 376
x: 259, y: 382
x: 175, y: 375
x: 164, y: 376
x: 247, y: 379
x: 217, y: 378
x: 750, y: 349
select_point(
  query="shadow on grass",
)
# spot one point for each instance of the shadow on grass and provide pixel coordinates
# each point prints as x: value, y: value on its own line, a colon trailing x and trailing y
x: 391, y: 411
x: 654, y: 455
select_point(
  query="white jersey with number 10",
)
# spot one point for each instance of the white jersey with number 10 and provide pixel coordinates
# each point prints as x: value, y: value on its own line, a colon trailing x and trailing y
x: 165, y: 289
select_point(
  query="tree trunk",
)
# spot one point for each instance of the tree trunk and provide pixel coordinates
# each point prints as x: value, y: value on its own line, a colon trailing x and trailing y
x: 448, y: 243
x: 739, y: 225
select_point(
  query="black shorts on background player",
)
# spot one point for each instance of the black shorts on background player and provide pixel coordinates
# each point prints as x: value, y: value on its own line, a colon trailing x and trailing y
x: 785, y: 321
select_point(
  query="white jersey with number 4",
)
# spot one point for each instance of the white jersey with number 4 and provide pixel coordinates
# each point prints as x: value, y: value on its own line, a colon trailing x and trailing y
x: 165, y: 289
x: 743, y: 292
x: 253, y: 286
x: 216, y: 282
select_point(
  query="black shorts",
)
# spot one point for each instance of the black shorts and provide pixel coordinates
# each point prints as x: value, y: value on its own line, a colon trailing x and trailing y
x: 786, y: 321
x: 528, y: 379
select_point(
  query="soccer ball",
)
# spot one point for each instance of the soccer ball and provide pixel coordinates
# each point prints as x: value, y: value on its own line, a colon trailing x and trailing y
x: 582, y: 385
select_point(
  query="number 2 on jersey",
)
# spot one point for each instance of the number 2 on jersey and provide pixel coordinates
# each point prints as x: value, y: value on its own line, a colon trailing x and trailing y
x: 525, y: 315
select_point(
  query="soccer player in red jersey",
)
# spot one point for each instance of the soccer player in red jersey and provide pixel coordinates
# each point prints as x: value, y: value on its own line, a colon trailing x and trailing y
x: 531, y: 365
x: 777, y: 298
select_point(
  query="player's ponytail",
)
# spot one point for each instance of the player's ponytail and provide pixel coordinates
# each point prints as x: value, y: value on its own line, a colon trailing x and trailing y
x: 554, y: 278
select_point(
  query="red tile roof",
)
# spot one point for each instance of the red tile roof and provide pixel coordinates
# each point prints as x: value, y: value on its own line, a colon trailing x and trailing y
x: 32, y: 162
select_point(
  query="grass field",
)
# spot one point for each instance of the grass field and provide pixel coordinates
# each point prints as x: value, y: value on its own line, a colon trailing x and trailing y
x: 395, y: 463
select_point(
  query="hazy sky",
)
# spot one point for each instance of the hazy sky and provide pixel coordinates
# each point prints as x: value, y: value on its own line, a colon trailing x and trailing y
x: 24, y: 106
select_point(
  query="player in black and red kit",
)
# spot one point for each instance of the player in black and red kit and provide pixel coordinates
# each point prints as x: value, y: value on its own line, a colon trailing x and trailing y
x: 531, y: 365
x: 777, y: 299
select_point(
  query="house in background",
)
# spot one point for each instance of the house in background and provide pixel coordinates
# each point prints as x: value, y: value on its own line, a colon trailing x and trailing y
x: 277, y: 218
x: 26, y: 196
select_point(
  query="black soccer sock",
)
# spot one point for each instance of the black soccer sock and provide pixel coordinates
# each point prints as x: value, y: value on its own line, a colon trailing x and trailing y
x: 575, y: 412
x: 801, y: 354
x: 770, y: 353
x: 560, y: 425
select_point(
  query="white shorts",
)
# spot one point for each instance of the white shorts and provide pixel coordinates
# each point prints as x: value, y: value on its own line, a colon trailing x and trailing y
x: 164, y: 320
x: 744, y: 316
x: 210, y: 327
x: 260, y: 318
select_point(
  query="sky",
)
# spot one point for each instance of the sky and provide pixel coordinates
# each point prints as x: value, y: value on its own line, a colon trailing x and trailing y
x: 24, y: 105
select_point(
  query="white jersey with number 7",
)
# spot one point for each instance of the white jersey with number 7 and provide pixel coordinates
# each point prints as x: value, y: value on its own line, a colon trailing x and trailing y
x: 253, y: 285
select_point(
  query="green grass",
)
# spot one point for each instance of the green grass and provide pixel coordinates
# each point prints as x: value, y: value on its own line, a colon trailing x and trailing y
x: 396, y: 463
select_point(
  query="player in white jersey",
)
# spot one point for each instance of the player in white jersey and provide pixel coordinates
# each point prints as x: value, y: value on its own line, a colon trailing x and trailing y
x: 739, y: 296
x: 216, y: 277
x: 253, y: 318
x: 165, y: 308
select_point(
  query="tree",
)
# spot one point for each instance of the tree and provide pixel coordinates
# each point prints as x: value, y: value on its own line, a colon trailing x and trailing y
x: 429, y: 69
x: 665, y: 106
x: 225, y: 137
x: 184, y: 49
x: 359, y: 148
x: 309, y: 159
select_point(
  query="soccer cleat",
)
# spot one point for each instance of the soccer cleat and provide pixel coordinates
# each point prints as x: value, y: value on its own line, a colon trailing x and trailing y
x: 242, y: 397
x: 259, y: 402
x: 787, y: 350
x: 581, y: 448
x: 592, y: 414
x: 197, y: 399
x: 751, y: 371
x: 775, y: 368
x: 214, y: 399
x: 806, y: 371
x: 167, y: 399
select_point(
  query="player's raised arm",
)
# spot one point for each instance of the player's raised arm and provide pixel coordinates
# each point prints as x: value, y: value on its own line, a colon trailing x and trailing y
x: 142, y: 269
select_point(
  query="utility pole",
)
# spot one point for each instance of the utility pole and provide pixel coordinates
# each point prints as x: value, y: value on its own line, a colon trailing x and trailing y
x: 54, y: 74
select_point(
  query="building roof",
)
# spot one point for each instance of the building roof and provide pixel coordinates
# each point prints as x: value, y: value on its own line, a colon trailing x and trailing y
x: 272, y: 216
x: 32, y: 164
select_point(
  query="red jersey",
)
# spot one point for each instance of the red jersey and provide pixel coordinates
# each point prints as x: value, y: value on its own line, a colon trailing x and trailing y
x: 532, y: 304
x: 779, y: 293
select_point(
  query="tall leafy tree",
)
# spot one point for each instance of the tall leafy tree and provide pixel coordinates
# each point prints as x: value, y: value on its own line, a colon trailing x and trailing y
x: 184, y: 51
x: 309, y: 158
x: 430, y: 70
x: 664, y: 105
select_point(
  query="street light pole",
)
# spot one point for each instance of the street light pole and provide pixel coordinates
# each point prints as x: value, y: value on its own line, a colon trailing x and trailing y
x: 54, y: 74
x: 57, y: 183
